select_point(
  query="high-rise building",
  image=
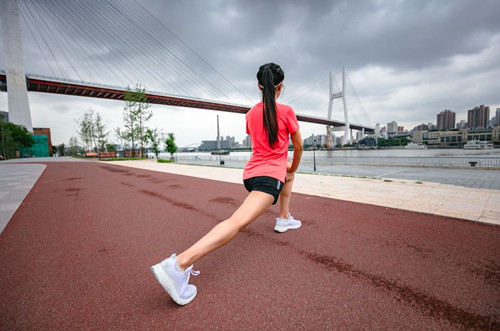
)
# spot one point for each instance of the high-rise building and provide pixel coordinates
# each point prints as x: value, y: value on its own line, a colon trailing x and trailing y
x: 446, y: 120
x: 314, y: 140
x: 401, y: 128
x: 421, y: 127
x: 392, y: 127
x: 478, y: 117
x: 497, y: 117
x: 247, y: 142
x: 462, y: 125
x: 6, y: 115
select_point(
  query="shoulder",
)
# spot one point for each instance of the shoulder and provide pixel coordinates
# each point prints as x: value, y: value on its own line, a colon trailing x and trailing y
x: 255, y: 108
x: 285, y: 109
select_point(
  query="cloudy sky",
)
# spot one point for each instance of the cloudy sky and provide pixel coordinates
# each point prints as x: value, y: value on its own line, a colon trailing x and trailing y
x: 408, y: 60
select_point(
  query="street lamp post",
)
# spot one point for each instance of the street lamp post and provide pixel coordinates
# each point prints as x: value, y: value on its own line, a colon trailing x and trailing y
x: 314, y: 155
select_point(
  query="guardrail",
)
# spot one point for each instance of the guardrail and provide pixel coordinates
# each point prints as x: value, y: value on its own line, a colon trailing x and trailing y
x: 414, y: 161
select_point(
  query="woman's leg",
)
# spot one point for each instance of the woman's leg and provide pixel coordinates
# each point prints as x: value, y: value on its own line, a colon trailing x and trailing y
x: 285, y: 196
x: 254, y: 205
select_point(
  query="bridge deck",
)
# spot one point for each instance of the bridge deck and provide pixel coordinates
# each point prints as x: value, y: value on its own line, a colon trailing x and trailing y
x: 55, y: 86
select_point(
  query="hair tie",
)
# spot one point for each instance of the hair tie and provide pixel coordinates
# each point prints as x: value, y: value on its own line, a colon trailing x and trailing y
x: 275, y: 86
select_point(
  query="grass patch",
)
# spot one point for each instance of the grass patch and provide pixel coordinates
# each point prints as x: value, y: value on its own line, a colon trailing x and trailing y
x: 419, y: 182
x: 387, y: 180
x: 165, y: 161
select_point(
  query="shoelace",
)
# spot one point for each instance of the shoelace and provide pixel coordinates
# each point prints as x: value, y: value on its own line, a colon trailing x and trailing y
x: 194, y: 273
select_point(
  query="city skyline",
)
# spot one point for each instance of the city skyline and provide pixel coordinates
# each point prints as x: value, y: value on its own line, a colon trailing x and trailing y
x: 408, y: 80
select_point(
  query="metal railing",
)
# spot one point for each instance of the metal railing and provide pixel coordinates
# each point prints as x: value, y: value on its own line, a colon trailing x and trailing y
x: 439, y: 161
x: 415, y: 161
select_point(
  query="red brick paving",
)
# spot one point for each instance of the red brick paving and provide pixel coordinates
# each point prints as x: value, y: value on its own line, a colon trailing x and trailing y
x: 76, y: 255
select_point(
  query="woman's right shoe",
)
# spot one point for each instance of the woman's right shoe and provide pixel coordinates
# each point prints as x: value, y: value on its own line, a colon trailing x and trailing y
x: 283, y: 225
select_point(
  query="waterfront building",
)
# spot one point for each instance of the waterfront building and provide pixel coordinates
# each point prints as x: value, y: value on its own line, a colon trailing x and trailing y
x: 392, y: 126
x: 446, y: 120
x: 478, y: 117
x: 319, y: 139
x: 44, y: 132
x: 401, y: 128
x: 457, y: 138
x: 377, y: 128
x: 207, y: 145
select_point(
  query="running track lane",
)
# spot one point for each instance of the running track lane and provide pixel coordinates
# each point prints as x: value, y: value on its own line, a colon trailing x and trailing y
x: 76, y: 255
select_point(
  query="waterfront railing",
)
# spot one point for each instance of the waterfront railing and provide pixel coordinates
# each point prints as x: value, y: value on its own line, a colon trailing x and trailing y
x: 410, y: 161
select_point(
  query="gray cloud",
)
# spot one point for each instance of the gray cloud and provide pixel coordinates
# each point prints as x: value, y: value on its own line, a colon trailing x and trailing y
x: 408, y: 60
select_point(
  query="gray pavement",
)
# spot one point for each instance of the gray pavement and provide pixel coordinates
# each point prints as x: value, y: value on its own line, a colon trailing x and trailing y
x: 474, y: 178
x: 16, y: 180
x: 17, y: 177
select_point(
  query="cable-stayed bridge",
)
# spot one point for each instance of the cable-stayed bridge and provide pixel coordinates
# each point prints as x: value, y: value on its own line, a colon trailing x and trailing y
x: 119, y: 43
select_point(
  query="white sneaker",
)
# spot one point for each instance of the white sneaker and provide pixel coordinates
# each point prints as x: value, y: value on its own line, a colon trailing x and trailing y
x: 174, y: 281
x: 285, y: 225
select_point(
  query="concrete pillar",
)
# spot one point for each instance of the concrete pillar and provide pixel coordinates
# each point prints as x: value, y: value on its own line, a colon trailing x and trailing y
x: 19, y: 108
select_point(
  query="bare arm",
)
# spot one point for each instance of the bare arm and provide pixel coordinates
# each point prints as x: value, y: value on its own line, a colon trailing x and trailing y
x: 297, y: 151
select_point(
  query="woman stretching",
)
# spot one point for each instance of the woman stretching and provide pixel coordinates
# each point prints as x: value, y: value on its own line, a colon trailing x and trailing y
x: 269, y: 124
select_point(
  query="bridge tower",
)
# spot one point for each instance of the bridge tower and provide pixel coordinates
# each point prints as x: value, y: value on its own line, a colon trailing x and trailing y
x: 336, y: 95
x: 19, y: 108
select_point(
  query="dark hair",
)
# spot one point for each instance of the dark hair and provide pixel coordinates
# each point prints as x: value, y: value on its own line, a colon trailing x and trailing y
x: 270, y: 75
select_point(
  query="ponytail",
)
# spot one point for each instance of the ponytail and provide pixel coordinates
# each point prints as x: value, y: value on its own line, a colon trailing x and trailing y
x: 270, y: 76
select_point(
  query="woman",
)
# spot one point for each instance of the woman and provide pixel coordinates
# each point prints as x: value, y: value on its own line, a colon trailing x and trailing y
x: 269, y: 125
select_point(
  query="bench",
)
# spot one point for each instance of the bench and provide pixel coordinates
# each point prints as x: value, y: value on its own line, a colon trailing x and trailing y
x: 107, y: 155
x: 129, y: 154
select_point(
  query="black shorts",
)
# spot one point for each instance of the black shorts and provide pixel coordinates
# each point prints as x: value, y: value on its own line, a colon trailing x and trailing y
x: 264, y: 184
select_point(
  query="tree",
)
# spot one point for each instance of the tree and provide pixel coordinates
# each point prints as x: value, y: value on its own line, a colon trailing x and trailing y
x: 122, y: 136
x: 73, y: 146
x: 86, y: 129
x: 100, y: 132
x: 170, y: 145
x: 136, y: 115
x: 13, y: 137
x: 110, y: 148
x: 61, y: 149
x: 154, y: 138
x: 92, y: 131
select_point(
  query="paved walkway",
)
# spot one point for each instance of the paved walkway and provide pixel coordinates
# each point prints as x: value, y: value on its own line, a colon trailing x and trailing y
x: 473, y: 204
x: 16, y: 180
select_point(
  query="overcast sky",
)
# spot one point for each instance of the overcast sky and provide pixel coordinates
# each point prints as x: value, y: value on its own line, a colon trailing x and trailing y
x: 408, y: 60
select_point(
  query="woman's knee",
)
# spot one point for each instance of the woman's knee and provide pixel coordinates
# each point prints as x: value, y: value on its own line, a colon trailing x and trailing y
x: 238, y: 224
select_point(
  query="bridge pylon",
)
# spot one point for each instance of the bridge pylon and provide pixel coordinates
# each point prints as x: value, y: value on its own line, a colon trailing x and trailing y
x: 17, y: 91
x: 336, y: 95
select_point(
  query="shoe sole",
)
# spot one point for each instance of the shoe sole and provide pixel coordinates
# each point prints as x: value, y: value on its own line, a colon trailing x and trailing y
x: 167, y: 283
x: 282, y: 229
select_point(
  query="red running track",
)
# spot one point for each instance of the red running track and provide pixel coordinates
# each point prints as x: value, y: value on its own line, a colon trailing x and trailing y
x: 76, y: 255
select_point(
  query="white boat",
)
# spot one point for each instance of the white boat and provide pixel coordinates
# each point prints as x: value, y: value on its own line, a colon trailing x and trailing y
x: 474, y: 144
x: 415, y: 146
